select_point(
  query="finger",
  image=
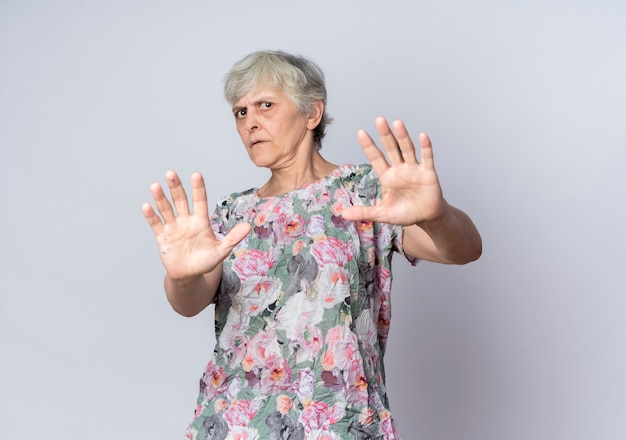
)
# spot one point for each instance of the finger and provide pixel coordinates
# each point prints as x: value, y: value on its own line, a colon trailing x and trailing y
x: 198, y: 196
x: 405, y: 143
x: 179, y: 196
x: 362, y: 213
x: 373, y: 153
x: 389, y: 141
x: 426, y: 151
x: 163, y: 205
x: 153, y: 220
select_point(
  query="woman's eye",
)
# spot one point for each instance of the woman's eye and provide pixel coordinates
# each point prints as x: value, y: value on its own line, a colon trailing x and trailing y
x: 266, y: 104
x: 240, y: 113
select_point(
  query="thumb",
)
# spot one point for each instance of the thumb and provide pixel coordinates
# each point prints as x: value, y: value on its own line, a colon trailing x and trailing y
x: 360, y: 213
x: 233, y: 238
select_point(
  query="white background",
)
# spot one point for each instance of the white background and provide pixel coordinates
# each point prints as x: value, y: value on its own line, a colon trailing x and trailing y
x: 525, y: 103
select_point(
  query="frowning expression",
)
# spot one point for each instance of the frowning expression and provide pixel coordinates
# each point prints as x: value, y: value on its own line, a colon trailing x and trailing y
x: 274, y: 131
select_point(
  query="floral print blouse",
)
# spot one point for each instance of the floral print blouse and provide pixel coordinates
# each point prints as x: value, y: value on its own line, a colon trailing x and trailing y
x: 301, y: 317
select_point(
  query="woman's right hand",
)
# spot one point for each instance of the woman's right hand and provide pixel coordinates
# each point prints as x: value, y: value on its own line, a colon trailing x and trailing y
x: 187, y: 245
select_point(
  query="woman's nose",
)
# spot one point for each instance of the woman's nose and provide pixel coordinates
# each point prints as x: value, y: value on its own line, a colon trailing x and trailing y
x: 252, y: 123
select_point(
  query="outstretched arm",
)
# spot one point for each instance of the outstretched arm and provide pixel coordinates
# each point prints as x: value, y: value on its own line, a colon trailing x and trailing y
x: 412, y: 197
x: 190, y: 251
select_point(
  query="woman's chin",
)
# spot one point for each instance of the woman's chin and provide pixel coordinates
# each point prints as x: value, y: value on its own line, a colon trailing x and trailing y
x: 261, y: 158
x: 261, y: 162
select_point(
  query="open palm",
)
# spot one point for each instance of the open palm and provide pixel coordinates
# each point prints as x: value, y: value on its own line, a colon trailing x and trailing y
x: 411, y: 192
x: 187, y: 245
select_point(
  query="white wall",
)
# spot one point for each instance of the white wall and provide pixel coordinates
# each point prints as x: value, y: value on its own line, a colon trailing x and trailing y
x: 526, y: 106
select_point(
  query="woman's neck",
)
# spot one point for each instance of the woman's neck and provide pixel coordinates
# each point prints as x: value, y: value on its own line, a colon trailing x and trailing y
x: 287, y: 179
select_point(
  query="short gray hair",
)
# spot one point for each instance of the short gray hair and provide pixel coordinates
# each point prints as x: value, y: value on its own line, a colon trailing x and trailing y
x: 301, y: 79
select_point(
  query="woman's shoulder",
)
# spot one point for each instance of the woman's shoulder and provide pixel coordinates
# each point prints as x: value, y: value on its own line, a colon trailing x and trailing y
x: 229, y: 200
x: 357, y: 177
x: 358, y: 169
x: 354, y: 173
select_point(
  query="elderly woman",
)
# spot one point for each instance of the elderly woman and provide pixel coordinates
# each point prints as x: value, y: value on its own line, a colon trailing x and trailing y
x: 300, y: 268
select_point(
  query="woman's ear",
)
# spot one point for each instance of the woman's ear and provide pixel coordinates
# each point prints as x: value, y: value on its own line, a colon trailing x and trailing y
x: 315, y: 116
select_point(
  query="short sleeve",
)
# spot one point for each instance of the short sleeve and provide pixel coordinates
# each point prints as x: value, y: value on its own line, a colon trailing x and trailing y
x: 218, y: 219
x: 228, y: 212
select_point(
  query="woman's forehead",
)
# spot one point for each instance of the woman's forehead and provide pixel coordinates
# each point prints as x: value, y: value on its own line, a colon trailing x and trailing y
x: 262, y: 92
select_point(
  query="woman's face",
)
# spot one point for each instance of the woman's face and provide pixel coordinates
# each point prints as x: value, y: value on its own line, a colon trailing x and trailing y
x: 274, y: 132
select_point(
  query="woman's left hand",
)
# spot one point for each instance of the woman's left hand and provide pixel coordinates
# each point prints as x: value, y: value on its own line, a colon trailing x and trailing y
x: 411, y: 193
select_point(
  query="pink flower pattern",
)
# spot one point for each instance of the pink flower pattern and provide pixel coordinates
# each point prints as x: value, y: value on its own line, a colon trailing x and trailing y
x: 302, y: 325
